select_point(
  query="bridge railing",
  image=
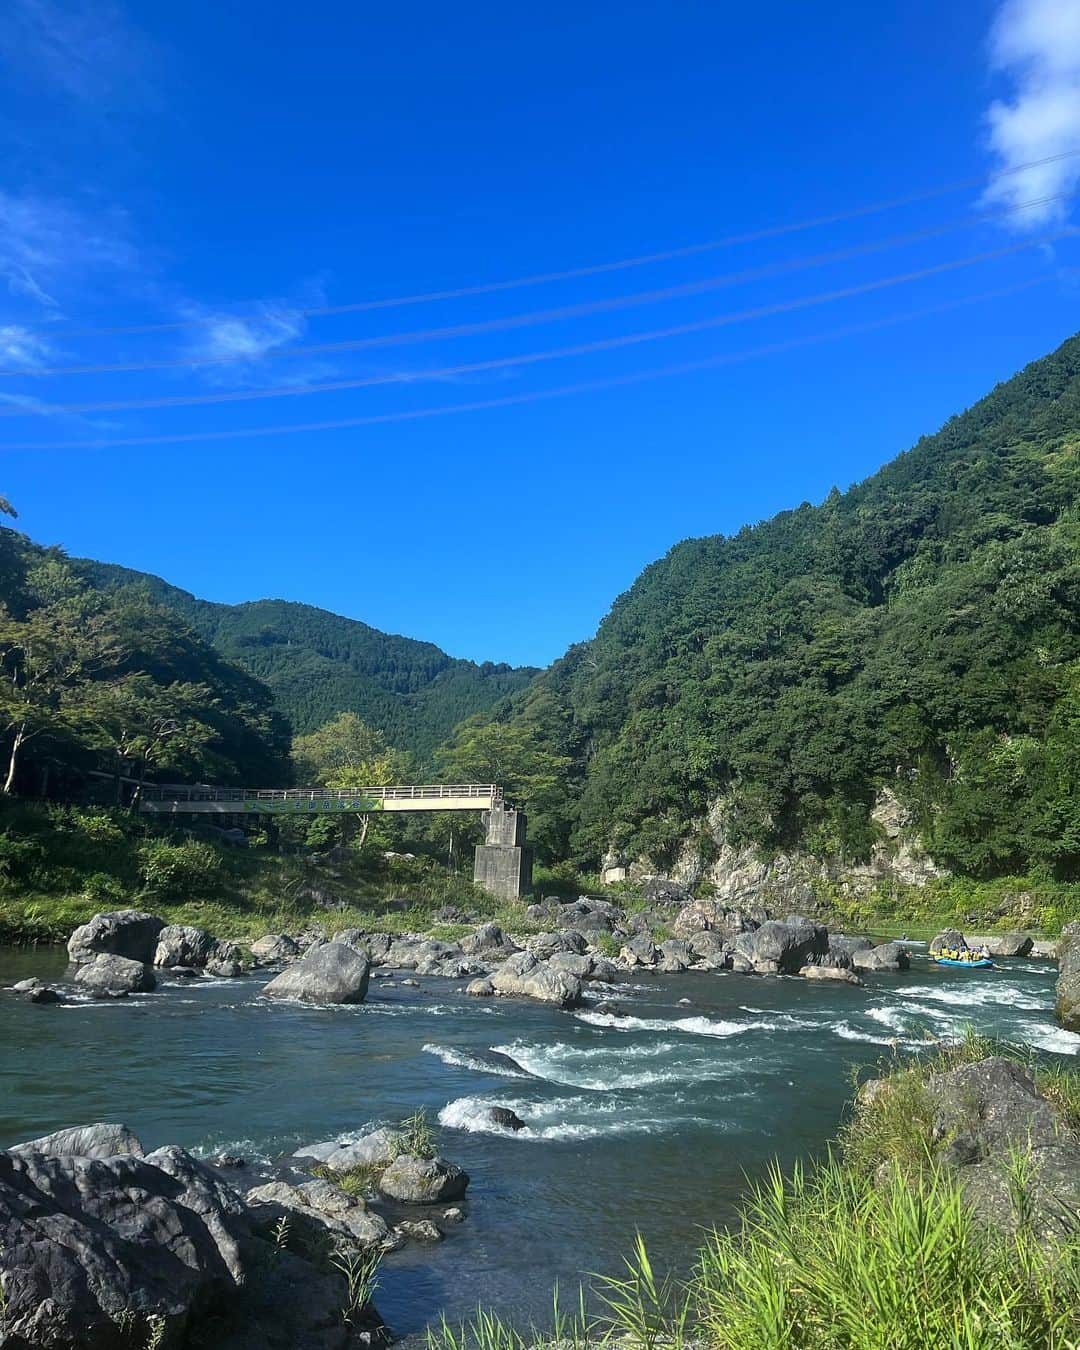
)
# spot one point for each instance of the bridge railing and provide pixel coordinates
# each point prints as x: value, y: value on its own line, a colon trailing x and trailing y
x: 197, y: 792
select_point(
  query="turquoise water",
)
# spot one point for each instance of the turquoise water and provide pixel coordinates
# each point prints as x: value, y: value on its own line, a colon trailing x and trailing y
x: 649, y: 1122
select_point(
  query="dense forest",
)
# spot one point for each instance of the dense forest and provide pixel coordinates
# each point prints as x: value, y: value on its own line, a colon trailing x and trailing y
x: 320, y: 664
x: 921, y: 631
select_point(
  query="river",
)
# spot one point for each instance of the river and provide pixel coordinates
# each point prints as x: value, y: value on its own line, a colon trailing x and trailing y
x: 650, y: 1122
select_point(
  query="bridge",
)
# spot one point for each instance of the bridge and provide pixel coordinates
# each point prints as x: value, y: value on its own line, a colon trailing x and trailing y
x: 503, y: 862
x: 175, y: 799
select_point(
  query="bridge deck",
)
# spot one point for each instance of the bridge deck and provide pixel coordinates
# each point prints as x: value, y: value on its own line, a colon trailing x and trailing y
x: 168, y: 799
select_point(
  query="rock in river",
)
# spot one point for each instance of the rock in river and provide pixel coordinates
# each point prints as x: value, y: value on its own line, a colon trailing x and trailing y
x: 524, y: 974
x: 885, y: 956
x: 1067, y: 1005
x: 782, y: 947
x: 423, y: 1181
x: 115, y: 975
x: 332, y: 973
x: 123, y: 932
x: 181, y: 944
x: 274, y: 949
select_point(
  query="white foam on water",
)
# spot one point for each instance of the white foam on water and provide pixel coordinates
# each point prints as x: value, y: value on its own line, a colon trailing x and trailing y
x: 847, y: 1032
x: 461, y: 1059
x: 986, y: 994
x: 611, y: 1067
x: 693, y: 1026
x: 564, y: 1118
x: 1047, y: 1036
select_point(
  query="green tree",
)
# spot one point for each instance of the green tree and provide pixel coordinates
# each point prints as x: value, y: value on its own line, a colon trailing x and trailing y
x: 348, y: 754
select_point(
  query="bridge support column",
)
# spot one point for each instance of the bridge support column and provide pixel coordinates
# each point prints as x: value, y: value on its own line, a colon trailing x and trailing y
x: 503, y: 862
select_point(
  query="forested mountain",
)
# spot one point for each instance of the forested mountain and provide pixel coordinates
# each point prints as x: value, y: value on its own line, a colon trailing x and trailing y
x: 111, y: 681
x: 920, y: 631
x: 320, y: 664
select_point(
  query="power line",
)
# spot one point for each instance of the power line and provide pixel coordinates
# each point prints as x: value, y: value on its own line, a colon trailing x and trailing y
x: 535, y: 317
x: 593, y: 269
x: 532, y: 358
x: 587, y: 386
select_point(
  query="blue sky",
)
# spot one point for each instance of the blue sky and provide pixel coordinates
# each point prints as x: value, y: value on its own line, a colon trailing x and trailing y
x: 184, y: 187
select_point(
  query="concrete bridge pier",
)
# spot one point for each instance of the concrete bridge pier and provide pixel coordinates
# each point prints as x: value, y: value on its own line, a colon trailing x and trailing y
x: 503, y: 862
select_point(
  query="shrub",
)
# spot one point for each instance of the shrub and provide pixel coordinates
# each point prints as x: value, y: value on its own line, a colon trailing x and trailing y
x: 170, y: 871
x: 102, y: 889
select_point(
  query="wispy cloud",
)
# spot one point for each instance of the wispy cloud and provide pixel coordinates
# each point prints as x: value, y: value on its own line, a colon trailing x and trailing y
x: 22, y: 348
x: 1035, y: 48
x: 83, y: 49
x: 49, y: 247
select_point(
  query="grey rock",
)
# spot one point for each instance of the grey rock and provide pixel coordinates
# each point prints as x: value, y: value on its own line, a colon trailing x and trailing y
x: 488, y: 940
x: 948, y: 937
x: 847, y: 945
x: 274, y: 949
x: 782, y: 946
x: 46, y: 995
x: 482, y: 988
x: 226, y: 960
x: 332, y: 973
x: 124, y: 932
x: 640, y: 951
x: 453, y: 1215
x: 568, y: 941
x: 183, y: 945
x: 664, y: 891
x: 377, y: 1146
x: 1067, y: 1000
x: 581, y: 966
x: 26, y: 986
x: 101, y: 1140
x: 509, y: 1120
x: 711, y: 916
x: 834, y: 973
x: 419, y: 1230
x: 1004, y: 944
x: 885, y: 956
x: 89, y: 1241
x: 675, y: 955
x: 422, y: 1181
x: 115, y: 974
x: 523, y: 974
x: 319, y: 1214
x: 1045, y: 949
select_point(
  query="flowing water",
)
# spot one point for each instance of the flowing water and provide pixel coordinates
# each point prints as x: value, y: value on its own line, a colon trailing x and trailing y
x: 650, y: 1121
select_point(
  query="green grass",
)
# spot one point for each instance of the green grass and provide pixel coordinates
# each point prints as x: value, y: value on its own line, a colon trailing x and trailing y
x: 61, y: 865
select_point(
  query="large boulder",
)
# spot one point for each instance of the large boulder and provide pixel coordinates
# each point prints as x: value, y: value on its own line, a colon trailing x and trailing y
x: 101, y: 1140
x: 90, y: 1244
x: 115, y: 975
x: 375, y: 946
x: 838, y: 974
x: 950, y: 938
x: 711, y: 916
x: 322, y: 1213
x: 331, y: 973
x: 423, y: 1181
x: 124, y: 932
x: 274, y: 949
x: 225, y: 960
x: 782, y: 947
x: 377, y: 1146
x: 545, y: 945
x: 989, y: 1111
x: 844, y: 944
x: 1005, y: 944
x: 181, y: 944
x: 885, y: 956
x: 1067, y: 1004
x: 488, y: 940
x: 640, y: 951
x: 524, y: 975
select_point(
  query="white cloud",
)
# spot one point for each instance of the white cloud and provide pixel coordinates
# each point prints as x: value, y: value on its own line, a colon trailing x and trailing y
x: 84, y: 49
x: 48, y: 247
x: 1035, y: 49
x: 22, y: 348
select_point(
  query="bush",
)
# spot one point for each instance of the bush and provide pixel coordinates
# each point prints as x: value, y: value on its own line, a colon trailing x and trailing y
x: 20, y: 859
x: 102, y: 889
x: 171, y: 871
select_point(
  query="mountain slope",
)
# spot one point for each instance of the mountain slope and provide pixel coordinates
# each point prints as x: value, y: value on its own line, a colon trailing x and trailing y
x: 319, y: 664
x: 920, y: 632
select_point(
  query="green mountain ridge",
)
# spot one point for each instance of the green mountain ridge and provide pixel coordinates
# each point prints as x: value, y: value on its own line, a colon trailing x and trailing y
x: 920, y: 631
x: 318, y: 664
